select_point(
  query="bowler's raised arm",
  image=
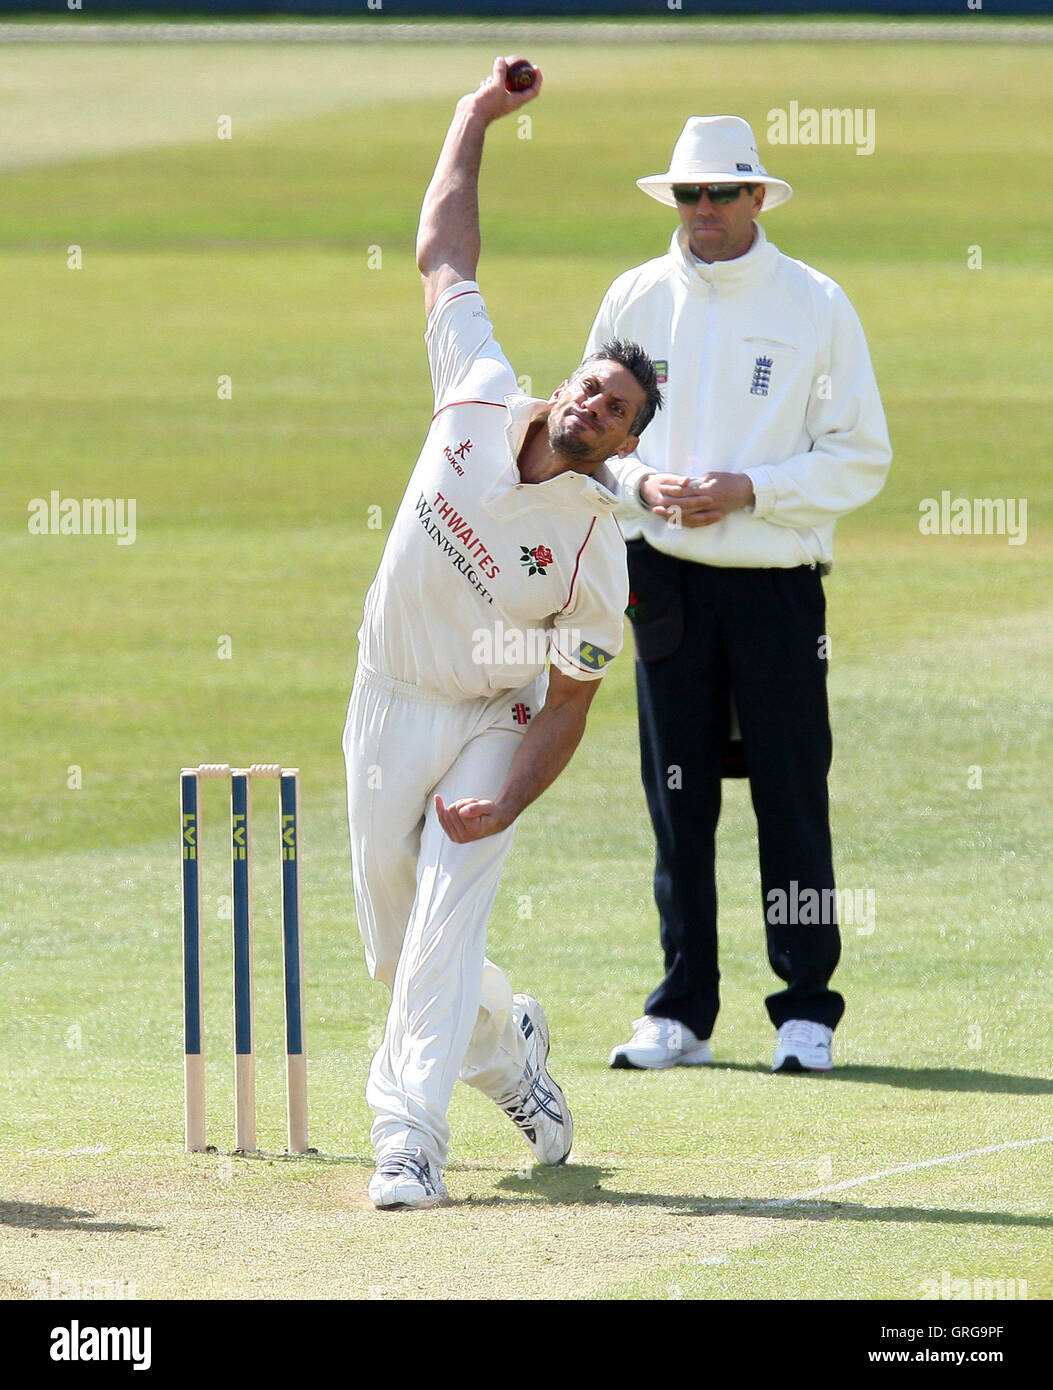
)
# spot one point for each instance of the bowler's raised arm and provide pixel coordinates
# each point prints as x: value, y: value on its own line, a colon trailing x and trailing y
x: 448, y: 238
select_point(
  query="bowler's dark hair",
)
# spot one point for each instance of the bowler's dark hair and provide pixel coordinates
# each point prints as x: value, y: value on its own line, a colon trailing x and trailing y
x: 632, y: 357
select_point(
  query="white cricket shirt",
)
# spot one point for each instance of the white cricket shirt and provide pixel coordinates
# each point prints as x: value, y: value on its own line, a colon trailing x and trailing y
x: 484, y: 576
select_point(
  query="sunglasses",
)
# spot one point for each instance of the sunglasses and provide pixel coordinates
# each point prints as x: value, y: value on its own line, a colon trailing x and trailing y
x: 718, y: 193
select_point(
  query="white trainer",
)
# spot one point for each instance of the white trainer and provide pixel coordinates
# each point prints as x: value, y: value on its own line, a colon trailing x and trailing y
x: 801, y: 1045
x: 403, y: 1179
x: 538, y: 1109
x: 658, y: 1043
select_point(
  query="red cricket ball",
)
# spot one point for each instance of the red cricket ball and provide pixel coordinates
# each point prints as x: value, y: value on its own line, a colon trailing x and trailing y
x: 520, y: 76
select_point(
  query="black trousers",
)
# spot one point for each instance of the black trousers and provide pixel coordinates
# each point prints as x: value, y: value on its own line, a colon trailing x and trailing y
x: 704, y: 636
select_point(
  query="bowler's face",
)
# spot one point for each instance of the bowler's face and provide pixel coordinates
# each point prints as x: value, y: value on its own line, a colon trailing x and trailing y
x: 724, y: 231
x: 592, y: 414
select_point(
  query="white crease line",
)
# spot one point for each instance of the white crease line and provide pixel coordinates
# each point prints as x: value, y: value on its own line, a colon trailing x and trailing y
x: 774, y: 1202
x: 907, y: 1168
x: 65, y: 1153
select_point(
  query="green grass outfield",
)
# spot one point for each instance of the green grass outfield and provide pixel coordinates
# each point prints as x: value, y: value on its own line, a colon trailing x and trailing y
x: 250, y: 258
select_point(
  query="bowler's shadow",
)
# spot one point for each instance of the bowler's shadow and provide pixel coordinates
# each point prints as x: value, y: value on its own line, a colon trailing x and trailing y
x: 36, y: 1216
x: 583, y: 1184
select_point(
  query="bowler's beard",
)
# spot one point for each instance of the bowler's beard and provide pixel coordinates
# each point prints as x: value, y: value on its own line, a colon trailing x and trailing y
x: 569, y: 445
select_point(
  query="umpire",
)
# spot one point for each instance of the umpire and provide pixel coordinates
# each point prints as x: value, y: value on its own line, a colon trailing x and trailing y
x: 773, y: 430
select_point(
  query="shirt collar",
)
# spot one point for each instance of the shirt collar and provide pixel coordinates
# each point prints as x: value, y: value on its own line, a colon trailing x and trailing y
x: 599, y: 491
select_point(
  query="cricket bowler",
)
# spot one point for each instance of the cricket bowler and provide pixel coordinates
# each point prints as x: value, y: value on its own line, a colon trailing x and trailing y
x: 504, y: 559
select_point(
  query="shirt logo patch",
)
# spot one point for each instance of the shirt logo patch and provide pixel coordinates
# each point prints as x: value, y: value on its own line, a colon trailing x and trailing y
x: 535, y: 561
x: 461, y: 452
x: 521, y: 713
x: 761, y: 376
x: 595, y: 658
x: 661, y: 371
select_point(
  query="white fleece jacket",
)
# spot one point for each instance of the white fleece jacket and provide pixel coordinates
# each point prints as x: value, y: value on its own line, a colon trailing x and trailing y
x: 769, y: 375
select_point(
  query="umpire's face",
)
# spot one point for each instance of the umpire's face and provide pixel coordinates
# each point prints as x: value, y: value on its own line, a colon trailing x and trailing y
x: 721, y: 231
x: 593, y: 413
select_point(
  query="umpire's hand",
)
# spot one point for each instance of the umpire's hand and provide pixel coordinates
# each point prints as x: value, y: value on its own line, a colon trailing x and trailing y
x: 696, y: 501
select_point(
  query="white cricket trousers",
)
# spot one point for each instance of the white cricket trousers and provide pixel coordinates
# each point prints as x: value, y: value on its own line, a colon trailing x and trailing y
x: 424, y: 902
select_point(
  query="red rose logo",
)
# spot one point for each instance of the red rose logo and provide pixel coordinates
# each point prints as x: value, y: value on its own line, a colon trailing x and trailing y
x: 536, y: 560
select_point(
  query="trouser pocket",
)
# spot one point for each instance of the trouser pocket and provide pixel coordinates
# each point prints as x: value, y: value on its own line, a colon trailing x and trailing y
x: 656, y: 601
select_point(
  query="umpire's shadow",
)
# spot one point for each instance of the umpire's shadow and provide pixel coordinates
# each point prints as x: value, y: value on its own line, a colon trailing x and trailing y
x: 909, y: 1078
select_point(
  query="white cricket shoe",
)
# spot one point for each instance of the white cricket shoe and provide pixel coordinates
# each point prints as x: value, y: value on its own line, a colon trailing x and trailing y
x: 801, y: 1045
x: 658, y: 1043
x: 538, y: 1109
x: 404, y: 1178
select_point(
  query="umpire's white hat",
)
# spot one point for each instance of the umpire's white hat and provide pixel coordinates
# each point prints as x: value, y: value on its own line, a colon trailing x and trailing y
x: 715, y: 149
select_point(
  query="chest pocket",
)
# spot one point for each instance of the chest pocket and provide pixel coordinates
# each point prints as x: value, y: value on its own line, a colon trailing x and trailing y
x: 766, y: 367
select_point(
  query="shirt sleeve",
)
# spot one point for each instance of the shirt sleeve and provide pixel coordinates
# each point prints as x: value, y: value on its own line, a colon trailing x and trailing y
x: 628, y: 473
x: 465, y: 358
x: 588, y: 632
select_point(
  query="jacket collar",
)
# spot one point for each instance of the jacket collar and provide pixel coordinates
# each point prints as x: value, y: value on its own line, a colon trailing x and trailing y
x: 743, y: 270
